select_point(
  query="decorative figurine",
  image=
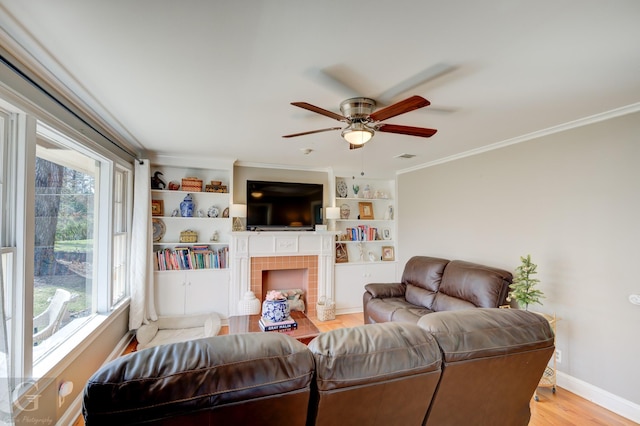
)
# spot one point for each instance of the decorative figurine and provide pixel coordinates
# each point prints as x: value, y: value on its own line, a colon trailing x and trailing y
x: 366, y: 192
x: 157, y: 182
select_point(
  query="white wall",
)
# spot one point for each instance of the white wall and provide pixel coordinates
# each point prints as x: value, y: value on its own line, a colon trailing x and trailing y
x: 571, y: 200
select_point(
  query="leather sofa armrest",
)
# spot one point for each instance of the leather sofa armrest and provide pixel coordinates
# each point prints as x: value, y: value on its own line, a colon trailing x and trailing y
x: 385, y: 290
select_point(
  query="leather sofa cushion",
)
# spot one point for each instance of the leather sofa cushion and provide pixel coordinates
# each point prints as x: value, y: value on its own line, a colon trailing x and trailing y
x: 385, y: 310
x: 362, y: 355
x: 479, y: 285
x: 208, y: 375
x: 419, y: 296
x: 487, y: 332
x: 425, y: 272
x: 376, y: 374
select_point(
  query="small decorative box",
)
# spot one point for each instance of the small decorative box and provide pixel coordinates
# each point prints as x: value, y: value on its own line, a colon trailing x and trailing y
x: 215, y: 188
x: 192, y: 184
x: 188, y: 236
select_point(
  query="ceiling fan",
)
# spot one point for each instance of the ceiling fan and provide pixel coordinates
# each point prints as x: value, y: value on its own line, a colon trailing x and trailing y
x: 363, y: 121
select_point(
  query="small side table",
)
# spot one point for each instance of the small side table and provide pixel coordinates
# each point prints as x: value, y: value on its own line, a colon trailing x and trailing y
x: 548, y: 379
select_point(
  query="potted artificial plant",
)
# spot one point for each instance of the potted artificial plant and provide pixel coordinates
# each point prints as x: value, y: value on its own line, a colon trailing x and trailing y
x: 523, y: 289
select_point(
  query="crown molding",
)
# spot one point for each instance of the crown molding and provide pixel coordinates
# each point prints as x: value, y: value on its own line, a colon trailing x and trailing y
x: 618, y: 112
x: 36, y: 60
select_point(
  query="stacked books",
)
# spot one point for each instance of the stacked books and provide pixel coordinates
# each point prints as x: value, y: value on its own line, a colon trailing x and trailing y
x: 285, y: 325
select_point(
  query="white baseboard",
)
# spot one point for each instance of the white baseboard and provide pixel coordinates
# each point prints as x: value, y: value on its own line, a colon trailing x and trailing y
x: 600, y: 397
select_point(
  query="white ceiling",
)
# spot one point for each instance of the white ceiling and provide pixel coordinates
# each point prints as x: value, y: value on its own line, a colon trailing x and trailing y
x: 216, y: 78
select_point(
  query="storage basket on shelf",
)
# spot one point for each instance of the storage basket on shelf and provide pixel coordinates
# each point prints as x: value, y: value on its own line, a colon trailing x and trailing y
x: 188, y: 236
x: 326, y: 309
x: 192, y: 184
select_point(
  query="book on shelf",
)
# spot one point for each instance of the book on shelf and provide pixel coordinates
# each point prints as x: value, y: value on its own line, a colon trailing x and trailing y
x: 191, y: 257
x: 362, y: 233
x: 268, y: 325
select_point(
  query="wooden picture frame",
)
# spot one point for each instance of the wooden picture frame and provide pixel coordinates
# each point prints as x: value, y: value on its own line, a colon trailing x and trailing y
x: 157, y: 207
x: 388, y: 253
x: 366, y: 210
x: 342, y: 254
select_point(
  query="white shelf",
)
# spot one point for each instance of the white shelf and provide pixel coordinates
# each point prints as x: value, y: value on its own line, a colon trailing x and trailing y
x: 198, y: 243
x: 364, y: 220
x: 363, y: 199
x: 389, y: 242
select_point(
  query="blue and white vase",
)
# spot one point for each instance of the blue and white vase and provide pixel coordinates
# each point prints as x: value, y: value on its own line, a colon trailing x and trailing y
x: 187, y: 206
x: 275, y: 310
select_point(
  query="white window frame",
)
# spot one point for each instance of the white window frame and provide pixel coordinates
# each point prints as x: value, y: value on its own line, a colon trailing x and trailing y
x: 21, y: 145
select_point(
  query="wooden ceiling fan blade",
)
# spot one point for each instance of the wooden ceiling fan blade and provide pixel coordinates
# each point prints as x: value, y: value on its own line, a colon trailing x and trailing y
x: 293, y: 135
x: 424, y: 76
x: 409, y: 104
x: 406, y: 130
x: 344, y: 81
x: 319, y: 110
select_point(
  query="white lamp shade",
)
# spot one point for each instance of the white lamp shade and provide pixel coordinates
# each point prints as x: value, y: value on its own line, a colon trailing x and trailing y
x: 332, y: 212
x: 238, y: 210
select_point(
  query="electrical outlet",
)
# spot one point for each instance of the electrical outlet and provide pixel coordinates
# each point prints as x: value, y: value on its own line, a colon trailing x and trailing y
x: 558, y: 356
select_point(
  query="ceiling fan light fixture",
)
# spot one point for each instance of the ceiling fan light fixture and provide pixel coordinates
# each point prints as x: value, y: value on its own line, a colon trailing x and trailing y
x: 357, y: 134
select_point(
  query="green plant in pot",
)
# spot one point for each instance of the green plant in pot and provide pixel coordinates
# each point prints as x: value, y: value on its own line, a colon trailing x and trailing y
x: 523, y: 289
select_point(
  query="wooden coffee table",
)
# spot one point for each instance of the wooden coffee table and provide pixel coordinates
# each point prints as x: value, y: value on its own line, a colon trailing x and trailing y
x: 305, y: 332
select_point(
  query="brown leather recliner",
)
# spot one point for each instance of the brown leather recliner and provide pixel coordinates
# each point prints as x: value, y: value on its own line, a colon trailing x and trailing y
x: 493, y: 360
x: 431, y: 284
x: 377, y: 374
x: 243, y: 379
x: 484, y: 365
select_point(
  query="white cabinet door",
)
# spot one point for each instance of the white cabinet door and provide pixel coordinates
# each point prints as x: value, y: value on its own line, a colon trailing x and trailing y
x: 170, y: 292
x: 207, y: 291
x: 351, y: 279
x: 192, y: 292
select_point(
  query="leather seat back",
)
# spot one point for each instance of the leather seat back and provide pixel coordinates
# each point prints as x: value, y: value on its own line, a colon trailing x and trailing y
x: 422, y: 276
x: 493, y: 360
x: 257, y: 379
x: 466, y: 285
x: 376, y: 374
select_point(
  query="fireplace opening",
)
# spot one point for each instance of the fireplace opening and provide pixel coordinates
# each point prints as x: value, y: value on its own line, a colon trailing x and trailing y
x: 285, y: 279
x: 285, y: 273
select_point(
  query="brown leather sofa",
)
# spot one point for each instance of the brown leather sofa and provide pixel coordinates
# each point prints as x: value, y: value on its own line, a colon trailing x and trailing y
x: 431, y: 284
x: 377, y: 374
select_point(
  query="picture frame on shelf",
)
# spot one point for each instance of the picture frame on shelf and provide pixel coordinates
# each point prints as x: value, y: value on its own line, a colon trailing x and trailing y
x: 342, y: 255
x: 366, y: 210
x: 157, y: 207
x: 386, y: 234
x: 388, y: 253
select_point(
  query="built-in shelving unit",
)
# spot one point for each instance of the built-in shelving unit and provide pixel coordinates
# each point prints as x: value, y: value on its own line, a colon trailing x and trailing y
x: 365, y: 244
x: 191, y: 274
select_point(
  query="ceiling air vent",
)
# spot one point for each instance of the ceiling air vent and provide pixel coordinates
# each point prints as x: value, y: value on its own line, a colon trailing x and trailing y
x: 405, y: 156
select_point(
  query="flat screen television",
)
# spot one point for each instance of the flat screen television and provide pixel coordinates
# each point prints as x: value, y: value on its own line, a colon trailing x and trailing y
x: 283, y: 206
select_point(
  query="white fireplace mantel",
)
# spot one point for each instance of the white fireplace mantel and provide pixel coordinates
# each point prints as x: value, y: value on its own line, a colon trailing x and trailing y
x: 245, y: 245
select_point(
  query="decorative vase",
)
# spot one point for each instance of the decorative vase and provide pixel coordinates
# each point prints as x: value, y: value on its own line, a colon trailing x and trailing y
x: 275, y: 310
x: 187, y: 206
x: 366, y: 192
x: 249, y: 304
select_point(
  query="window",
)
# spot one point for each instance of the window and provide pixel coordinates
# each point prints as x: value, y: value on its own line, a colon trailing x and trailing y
x: 65, y: 239
x: 65, y: 217
x: 120, y: 236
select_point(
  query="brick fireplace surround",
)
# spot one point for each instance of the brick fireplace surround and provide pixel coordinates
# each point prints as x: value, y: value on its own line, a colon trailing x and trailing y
x: 280, y: 263
x: 253, y: 253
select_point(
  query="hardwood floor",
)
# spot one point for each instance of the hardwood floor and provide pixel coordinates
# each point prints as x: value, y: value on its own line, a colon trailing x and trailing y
x: 561, y: 408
